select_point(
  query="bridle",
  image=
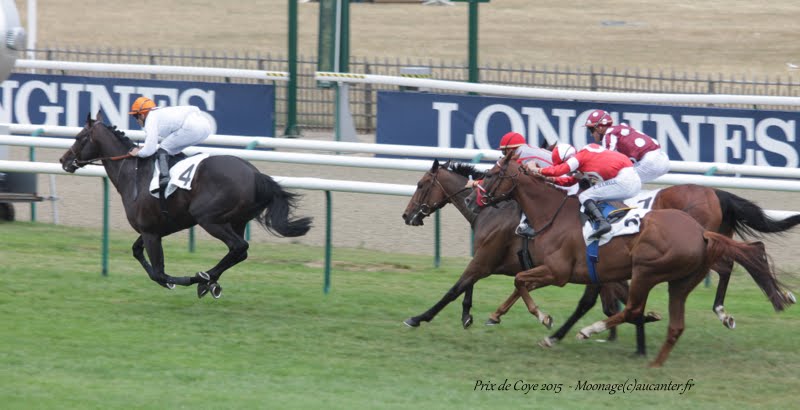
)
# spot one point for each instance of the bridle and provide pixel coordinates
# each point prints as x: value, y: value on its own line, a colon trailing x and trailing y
x: 426, y: 209
x: 94, y: 161
x: 492, y: 200
x: 487, y: 198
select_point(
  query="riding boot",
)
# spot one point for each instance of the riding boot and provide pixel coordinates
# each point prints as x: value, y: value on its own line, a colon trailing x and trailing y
x: 162, y: 157
x: 594, y: 213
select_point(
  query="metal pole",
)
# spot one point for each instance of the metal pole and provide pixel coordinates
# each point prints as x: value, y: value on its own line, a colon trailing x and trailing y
x: 473, y: 42
x: 32, y: 158
x: 191, y: 239
x: 437, y: 233
x: 328, y: 236
x: 105, y: 226
x: 291, y: 90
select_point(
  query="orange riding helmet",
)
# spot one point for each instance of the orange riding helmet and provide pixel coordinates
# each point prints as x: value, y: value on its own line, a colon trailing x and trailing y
x: 142, y: 105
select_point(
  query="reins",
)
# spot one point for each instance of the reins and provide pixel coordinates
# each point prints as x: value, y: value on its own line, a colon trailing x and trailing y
x: 97, y: 161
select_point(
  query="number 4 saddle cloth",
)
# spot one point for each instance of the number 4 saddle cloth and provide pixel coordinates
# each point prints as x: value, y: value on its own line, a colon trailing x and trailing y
x: 180, y: 175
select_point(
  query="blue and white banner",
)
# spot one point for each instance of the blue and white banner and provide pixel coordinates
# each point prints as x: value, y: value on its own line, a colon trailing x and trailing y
x: 750, y: 137
x: 233, y: 109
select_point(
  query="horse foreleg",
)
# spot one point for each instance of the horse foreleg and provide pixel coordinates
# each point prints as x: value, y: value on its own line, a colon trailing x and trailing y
x: 152, y: 244
x: 587, y: 301
x: 472, y: 274
x: 724, y: 271
x: 466, y: 306
x: 501, y: 310
x: 528, y: 280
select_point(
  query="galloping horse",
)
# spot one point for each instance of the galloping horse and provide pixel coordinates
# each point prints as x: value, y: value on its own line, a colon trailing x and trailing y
x: 494, y: 253
x: 494, y: 227
x: 226, y: 193
x: 670, y: 247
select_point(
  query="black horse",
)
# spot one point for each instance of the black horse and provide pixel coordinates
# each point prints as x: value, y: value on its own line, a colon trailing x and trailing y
x: 226, y: 193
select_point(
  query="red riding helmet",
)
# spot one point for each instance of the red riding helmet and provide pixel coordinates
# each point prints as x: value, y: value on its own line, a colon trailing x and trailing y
x: 562, y: 152
x: 512, y: 140
x: 599, y: 117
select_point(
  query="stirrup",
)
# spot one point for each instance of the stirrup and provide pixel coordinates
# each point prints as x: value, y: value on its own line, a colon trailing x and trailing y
x: 527, y: 231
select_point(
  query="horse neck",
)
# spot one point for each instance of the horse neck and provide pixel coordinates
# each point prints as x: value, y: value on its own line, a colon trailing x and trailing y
x: 454, y: 186
x: 540, y: 202
x: 120, y: 172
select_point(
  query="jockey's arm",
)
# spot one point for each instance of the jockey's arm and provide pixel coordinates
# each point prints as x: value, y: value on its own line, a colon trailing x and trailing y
x: 150, y: 141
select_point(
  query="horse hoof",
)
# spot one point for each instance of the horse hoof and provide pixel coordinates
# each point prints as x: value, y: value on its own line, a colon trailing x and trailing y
x: 411, y: 322
x: 170, y: 286
x: 548, y: 321
x: 548, y: 342
x: 466, y: 322
x: 652, y: 317
x: 790, y: 297
x: 216, y: 290
x: 729, y: 322
x: 204, y: 276
x: 492, y: 322
x: 202, y: 289
x: 582, y: 336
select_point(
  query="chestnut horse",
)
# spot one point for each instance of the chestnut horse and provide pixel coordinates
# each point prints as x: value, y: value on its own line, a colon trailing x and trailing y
x: 670, y: 247
x: 226, y: 193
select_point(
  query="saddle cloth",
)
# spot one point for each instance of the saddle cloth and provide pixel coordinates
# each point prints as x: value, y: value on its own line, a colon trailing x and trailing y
x: 180, y: 175
x: 629, y: 224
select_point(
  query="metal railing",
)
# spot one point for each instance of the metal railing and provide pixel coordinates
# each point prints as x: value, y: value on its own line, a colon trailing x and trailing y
x: 316, y: 106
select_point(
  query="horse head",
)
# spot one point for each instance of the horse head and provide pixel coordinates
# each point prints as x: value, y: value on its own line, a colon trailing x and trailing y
x: 95, y: 142
x: 430, y: 195
x: 497, y: 186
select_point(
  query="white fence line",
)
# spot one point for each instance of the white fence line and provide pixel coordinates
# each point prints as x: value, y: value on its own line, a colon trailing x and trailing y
x: 410, y: 164
x: 406, y: 150
x: 514, y: 91
x: 286, y: 182
x: 152, y: 69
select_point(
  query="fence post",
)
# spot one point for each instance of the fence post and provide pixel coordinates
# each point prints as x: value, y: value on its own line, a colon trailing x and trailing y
x: 105, y: 226
x: 327, y: 286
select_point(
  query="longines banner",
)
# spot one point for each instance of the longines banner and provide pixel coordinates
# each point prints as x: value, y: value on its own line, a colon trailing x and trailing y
x: 750, y: 137
x: 233, y: 109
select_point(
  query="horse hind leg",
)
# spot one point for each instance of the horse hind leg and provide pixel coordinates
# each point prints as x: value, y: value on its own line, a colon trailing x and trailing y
x: 237, y: 252
x: 723, y: 269
x: 678, y: 292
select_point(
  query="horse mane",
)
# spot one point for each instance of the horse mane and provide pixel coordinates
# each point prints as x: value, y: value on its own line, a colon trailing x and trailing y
x: 120, y: 135
x: 466, y: 170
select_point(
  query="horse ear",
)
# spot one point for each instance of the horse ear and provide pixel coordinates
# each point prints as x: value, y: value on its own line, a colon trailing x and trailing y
x: 435, y: 165
x: 100, y: 116
x: 89, y: 120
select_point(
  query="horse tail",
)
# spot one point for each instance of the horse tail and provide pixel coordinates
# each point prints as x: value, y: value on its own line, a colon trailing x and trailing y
x: 278, y: 206
x: 747, y: 218
x: 753, y: 257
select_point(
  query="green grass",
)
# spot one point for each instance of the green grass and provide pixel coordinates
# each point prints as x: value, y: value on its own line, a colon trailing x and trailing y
x: 74, y: 339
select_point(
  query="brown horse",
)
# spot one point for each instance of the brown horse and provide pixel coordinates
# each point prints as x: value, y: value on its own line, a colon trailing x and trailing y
x: 494, y: 227
x: 493, y: 233
x: 670, y: 247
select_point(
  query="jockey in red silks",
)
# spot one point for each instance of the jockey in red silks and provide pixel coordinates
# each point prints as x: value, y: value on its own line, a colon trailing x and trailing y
x: 613, y: 175
x: 649, y: 160
x: 514, y: 143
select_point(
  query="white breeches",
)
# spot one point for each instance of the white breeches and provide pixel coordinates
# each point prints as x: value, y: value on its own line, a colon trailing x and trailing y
x: 195, y: 129
x: 653, y: 165
x: 625, y: 185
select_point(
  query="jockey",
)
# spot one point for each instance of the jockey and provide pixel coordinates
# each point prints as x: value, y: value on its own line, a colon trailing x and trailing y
x: 176, y: 128
x: 616, y: 178
x: 514, y: 143
x: 650, y: 162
